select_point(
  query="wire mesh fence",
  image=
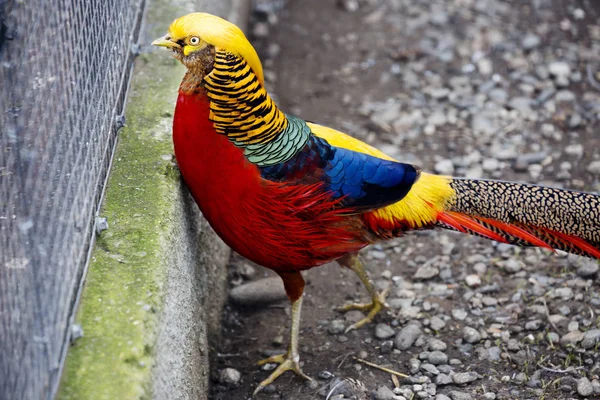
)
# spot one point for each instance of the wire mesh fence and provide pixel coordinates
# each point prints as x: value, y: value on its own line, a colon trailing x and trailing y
x: 64, y: 69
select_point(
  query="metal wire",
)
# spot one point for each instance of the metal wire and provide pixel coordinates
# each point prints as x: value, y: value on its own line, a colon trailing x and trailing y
x: 64, y: 67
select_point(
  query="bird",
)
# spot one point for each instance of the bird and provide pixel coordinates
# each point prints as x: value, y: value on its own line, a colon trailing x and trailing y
x: 291, y: 195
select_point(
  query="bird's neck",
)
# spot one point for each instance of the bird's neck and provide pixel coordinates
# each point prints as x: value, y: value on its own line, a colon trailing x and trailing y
x: 242, y: 110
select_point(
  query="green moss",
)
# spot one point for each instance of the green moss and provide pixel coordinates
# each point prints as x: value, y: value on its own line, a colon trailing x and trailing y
x: 122, y: 296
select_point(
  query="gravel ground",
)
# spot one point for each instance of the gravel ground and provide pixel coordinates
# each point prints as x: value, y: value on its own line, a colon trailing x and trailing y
x: 477, y: 88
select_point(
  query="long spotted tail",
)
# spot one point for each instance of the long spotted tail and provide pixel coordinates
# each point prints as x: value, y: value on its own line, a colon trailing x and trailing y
x: 525, y: 215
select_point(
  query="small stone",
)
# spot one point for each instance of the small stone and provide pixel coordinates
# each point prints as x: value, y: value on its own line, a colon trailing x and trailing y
x: 407, y: 336
x: 533, y: 325
x: 512, y: 265
x: 575, y: 150
x: 465, y: 377
x: 575, y: 120
x: 489, y: 396
x: 430, y: 368
x: 590, y: 338
x: 494, y: 353
x: 444, y: 167
x: 426, y: 272
x: 498, y: 96
x: 383, y: 331
x: 436, y: 323
x: 456, y: 395
x: 414, y: 365
x: 521, y: 104
x: 530, y: 41
x: 559, y: 69
x: 594, y: 167
x: 436, y: 344
x: 229, y: 376
x: 349, y: 5
x: 459, y: 314
x: 489, y: 301
x: 566, y: 293
x: 521, y: 377
x: 471, y: 335
x: 473, y: 280
x: 584, y: 387
x: 261, y: 29
x: 384, y: 393
x: 588, y: 268
x: 443, y: 379
x: 571, y: 338
x: 441, y: 396
x: 325, y: 375
x: 437, y: 357
x: 336, y: 327
x: 553, y: 337
x: 262, y: 291
x: 386, y: 347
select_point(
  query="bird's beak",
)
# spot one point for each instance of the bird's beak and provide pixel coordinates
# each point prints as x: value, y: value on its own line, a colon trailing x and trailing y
x: 165, y: 41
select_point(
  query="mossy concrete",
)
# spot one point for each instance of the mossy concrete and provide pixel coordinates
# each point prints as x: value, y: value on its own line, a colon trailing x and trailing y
x: 156, y: 282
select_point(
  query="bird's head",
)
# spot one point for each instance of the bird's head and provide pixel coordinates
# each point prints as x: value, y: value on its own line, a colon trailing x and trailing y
x: 194, y: 38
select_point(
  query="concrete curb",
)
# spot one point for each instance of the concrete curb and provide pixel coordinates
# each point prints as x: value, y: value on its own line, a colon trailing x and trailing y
x: 156, y: 282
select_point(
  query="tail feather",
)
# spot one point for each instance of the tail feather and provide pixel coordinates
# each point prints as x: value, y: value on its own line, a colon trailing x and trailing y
x: 525, y: 215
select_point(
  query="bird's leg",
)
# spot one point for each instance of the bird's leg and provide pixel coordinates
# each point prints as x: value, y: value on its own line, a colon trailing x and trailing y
x: 290, y: 361
x: 377, y: 303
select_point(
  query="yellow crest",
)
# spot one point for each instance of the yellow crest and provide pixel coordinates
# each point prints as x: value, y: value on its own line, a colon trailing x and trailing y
x: 220, y: 33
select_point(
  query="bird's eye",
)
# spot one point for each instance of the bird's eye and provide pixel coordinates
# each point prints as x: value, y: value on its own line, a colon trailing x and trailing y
x: 194, y: 41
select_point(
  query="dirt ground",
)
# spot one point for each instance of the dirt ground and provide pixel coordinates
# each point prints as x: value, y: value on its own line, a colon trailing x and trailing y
x: 466, y: 87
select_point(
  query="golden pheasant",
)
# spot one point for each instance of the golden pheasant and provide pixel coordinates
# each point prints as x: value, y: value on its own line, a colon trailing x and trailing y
x: 291, y: 195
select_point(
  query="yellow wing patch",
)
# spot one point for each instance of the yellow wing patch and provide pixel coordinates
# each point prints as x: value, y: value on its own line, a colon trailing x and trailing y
x: 420, y: 206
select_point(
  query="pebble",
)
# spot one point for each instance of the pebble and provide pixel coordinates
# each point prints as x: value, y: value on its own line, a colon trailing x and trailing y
x: 530, y: 41
x: 594, y: 167
x: 584, y: 387
x: 444, y: 167
x: 590, y: 338
x: 430, y: 368
x: 575, y: 150
x: 414, y: 365
x: 436, y: 345
x: 521, y: 104
x: 407, y: 336
x: 456, y: 395
x: 533, y: 325
x: 459, y: 314
x: 473, y: 280
x: 442, y: 397
x: 465, y: 377
x: 259, y: 292
x: 489, y: 396
x: 426, y: 272
x: 559, y: 69
x: 325, y: 375
x: 566, y: 293
x: 384, y: 393
x: 436, y: 323
x: 588, y: 268
x: 229, y: 376
x: 471, y: 335
x: 437, y: 357
x: 336, y: 327
x: 443, y: 379
x: 572, y: 337
x: 383, y: 331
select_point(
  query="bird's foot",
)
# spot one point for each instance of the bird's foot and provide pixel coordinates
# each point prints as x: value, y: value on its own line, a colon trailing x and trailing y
x: 287, y: 362
x: 373, y: 308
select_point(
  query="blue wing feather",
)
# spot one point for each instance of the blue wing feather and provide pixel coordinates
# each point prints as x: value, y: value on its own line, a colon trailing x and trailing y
x: 364, y: 182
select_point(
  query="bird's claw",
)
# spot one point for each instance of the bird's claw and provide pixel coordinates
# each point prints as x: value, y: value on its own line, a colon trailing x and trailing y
x: 286, y: 362
x: 374, y: 307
